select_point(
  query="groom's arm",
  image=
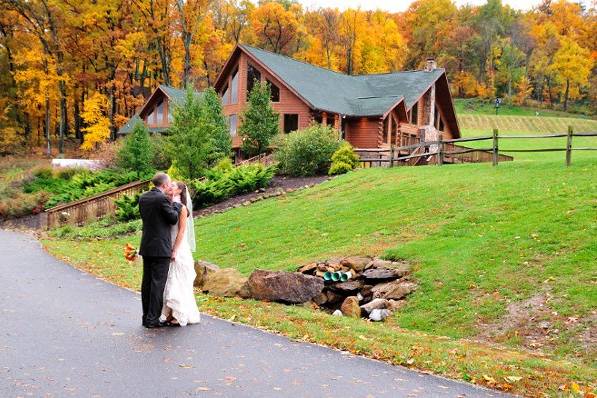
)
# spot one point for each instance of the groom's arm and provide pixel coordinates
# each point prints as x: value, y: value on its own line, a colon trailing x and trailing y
x: 169, y: 210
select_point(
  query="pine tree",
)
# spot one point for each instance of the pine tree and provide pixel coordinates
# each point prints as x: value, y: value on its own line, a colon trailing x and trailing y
x: 190, y: 143
x: 213, y: 114
x: 259, y: 121
x: 137, y: 152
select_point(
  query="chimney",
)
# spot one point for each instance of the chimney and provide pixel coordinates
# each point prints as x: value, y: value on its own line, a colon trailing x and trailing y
x: 430, y: 65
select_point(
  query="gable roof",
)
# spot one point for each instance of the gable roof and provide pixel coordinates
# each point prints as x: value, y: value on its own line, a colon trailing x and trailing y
x: 176, y: 95
x: 326, y: 90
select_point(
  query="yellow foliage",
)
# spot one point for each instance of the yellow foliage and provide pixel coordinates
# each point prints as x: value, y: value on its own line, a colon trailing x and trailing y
x: 98, y: 124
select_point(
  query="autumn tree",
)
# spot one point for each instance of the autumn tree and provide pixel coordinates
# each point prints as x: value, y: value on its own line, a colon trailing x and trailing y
x: 274, y: 26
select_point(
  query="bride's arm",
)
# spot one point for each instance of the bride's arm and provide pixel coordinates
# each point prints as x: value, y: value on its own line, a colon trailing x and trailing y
x: 182, y: 226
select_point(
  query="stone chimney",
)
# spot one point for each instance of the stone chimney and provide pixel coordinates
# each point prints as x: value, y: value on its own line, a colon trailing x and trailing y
x: 430, y: 65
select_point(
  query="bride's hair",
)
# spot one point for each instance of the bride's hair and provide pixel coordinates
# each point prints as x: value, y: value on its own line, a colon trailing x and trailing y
x: 183, y: 193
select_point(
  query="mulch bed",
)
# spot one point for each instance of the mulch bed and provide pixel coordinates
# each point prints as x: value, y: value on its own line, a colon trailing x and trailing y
x: 278, y: 184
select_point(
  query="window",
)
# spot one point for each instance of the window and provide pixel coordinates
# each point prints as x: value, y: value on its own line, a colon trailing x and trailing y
x: 436, y: 118
x: 159, y: 113
x: 234, y: 88
x: 441, y: 124
x: 233, y: 123
x: 290, y: 122
x: 275, y: 92
x: 151, y: 117
x: 226, y: 95
x: 414, y: 114
x: 252, y: 75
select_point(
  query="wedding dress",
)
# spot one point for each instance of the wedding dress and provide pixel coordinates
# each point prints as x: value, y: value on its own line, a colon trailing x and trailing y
x: 179, y: 298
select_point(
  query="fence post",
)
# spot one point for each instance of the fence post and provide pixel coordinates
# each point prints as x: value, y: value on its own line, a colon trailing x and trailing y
x: 440, y: 150
x: 392, y: 155
x: 495, y: 147
x: 569, y: 146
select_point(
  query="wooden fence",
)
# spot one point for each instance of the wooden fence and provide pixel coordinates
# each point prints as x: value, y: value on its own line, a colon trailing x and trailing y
x: 447, y: 151
x: 94, y: 207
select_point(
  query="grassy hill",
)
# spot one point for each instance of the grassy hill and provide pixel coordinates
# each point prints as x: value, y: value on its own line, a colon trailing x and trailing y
x: 475, y: 106
x: 504, y: 255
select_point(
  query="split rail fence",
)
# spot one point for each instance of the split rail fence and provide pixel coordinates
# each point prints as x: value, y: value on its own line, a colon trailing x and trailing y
x: 447, y: 151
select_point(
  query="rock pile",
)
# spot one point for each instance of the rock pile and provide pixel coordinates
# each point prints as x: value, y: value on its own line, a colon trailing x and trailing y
x: 374, y: 289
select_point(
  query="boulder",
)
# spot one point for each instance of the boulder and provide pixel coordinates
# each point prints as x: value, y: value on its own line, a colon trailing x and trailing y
x: 378, y: 274
x: 337, y: 313
x: 203, y: 269
x: 394, y: 305
x: 350, y: 307
x: 394, y: 290
x: 320, y: 299
x: 357, y: 263
x: 378, y: 315
x: 379, y: 263
x: 376, y: 304
x: 285, y: 287
x: 308, y: 268
x: 347, y: 287
x: 401, y: 268
x: 226, y: 282
x: 333, y: 297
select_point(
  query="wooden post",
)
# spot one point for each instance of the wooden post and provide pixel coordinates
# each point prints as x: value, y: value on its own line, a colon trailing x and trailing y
x: 569, y: 146
x: 495, y: 147
x: 392, y: 155
x: 440, y: 150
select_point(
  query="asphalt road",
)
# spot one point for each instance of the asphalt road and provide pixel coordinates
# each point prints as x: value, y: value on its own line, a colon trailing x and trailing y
x: 65, y: 333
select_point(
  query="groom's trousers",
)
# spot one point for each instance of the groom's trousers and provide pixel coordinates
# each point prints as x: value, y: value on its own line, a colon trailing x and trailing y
x: 155, y: 274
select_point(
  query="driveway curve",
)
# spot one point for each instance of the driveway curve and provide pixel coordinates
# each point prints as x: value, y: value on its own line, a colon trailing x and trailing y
x: 66, y: 333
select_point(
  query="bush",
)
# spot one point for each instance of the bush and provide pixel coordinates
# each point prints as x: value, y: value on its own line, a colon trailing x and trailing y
x: 127, y: 208
x: 106, y: 228
x: 222, y: 184
x: 307, y: 152
x: 344, y: 160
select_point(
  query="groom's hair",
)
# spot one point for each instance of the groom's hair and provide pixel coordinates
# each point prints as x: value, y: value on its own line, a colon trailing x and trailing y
x: 159, y: 179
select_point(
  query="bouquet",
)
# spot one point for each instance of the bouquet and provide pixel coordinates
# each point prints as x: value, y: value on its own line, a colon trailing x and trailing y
x: 130, y: 253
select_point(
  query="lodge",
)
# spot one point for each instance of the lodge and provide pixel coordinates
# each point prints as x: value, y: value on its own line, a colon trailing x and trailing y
x: 370, y: 111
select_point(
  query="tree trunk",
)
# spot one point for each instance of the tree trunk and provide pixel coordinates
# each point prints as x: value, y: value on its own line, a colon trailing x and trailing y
x: 566, y: 94
x: 187, y: 37
x: 47, y: 126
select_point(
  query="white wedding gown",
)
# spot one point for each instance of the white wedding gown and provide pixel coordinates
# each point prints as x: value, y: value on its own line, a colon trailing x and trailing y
x: 179, y: 298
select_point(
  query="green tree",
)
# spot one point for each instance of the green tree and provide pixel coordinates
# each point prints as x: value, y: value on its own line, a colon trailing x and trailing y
x: 189, y: 143
x: 213, y: 114
x: 259, y: 121
x: 137, y: 152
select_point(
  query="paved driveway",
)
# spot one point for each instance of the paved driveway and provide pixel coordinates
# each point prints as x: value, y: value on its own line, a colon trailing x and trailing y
x: 65, y: 333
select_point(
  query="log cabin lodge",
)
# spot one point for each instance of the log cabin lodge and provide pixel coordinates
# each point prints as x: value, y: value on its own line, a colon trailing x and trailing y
x: 370, y: 111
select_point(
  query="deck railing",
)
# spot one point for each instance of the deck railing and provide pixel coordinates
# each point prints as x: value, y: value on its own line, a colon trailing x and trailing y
x: 94, y: 207
x: 447, y: 151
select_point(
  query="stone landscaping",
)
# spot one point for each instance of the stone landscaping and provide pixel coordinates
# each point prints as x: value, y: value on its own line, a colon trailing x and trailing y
x: 359, y: 286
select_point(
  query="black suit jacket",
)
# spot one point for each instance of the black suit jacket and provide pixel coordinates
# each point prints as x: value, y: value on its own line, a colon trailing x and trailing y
x: 158, y: 215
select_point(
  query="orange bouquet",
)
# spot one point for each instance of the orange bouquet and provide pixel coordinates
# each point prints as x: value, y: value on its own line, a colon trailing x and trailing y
x: 130, y: 253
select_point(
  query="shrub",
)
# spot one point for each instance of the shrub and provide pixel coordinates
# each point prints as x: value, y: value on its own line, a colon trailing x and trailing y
x: 106, y: 228
x: 127, y: 208
x: 189, y: 142
x: 344, y: 160
x: 222, y: 184
x: 307, y: 152
x: 161, y: 159
x: 136, y: 153
x: 259, y: 121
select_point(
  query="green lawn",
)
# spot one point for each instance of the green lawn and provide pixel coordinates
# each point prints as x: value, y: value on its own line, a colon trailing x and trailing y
x: 477, y: 106
x: 499, y: 253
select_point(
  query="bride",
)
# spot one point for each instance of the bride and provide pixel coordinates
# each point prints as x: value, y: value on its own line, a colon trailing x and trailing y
x: 180, y: 307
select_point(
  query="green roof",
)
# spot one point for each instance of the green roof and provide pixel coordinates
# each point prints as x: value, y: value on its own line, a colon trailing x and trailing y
x: 177, y: 96
x: 363, y: 95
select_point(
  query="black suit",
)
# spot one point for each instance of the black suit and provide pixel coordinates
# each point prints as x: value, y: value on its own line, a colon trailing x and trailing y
x: 158, y: 215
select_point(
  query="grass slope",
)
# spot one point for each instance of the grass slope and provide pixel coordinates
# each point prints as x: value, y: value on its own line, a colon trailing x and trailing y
x: 477, y: 106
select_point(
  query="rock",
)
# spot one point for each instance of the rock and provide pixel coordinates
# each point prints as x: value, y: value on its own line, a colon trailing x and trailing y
x: 350, y: 307
x: 381, y: 274
x: 401, y: 268
x: 375, y: 304
x: 394, y: 305
x: 320, y: 299
x: 308, y: 268
x: 347, y: 287
x: 379, y: 263
x: 286, y: 287
x: 357, y: 263
x: 203, y: 269
x: 226, y: 282
x: 337, y: 313
x: 399, y: 289
x: 378, y: 315
x: 333, y: 297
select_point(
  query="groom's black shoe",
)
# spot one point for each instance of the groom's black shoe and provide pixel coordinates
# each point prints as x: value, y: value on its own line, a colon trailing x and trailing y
x: 153, y: 325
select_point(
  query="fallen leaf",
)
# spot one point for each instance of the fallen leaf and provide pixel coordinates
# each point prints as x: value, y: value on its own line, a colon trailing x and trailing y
x: 513, y: 379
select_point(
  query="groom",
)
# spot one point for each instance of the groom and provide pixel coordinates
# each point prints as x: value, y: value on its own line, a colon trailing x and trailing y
x: 158, y: 214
